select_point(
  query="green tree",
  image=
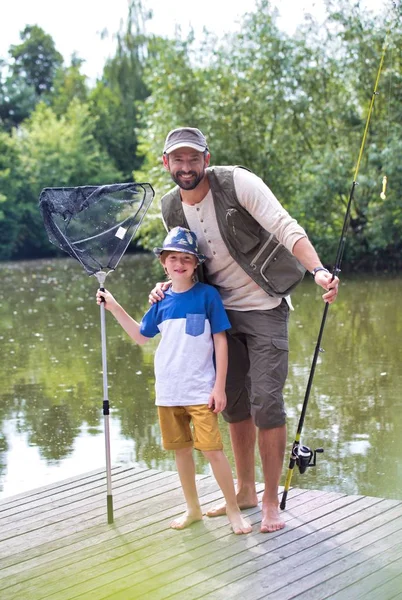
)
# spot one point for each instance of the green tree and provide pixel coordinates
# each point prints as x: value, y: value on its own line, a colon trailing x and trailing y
x: 54, y: 152
x: 36, y: 59
x: 116, y: 96
x: 355, y: 42
x: 293, y: 110
x: 28, y: 76
x: 68, y: 84
x: 10, y: 185
x: 17, y: 101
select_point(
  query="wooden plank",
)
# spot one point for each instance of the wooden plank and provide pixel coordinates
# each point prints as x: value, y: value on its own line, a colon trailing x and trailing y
x: 143, y: 538
x: 137, y: 524
x: 151, y: 515
x: 324, y: 559
x: 57, y: 545
x: 84, y: 516
x: 84, y: 496
x: 357, y: 566
x: 384, y: 584
x: 280, y: 566
x: 52, y: 496
x: 150, y: 543
x: 50, y: 489
x: 89, y: 508
x: 135, y: 578
x: 391, y: 588
x: 87, y: 491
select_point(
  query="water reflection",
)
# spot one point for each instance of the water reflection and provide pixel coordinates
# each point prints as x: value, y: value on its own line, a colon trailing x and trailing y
x: 51, y: 380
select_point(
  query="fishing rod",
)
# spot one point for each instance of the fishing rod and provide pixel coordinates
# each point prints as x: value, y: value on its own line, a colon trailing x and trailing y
x: 300, y: 455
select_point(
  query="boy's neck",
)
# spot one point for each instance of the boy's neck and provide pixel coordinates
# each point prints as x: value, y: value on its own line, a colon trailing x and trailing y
x: 182, y: 286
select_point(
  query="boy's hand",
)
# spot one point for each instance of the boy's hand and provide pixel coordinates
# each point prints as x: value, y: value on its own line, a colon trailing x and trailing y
x: 109, y: 302
x: 217, y: 401
x: 156, y: 293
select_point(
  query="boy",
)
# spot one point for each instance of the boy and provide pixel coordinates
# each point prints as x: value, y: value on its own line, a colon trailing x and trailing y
x: 189, y: 388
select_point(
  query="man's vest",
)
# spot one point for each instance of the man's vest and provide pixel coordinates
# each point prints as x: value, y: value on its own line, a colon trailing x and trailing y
x: 258, y: 252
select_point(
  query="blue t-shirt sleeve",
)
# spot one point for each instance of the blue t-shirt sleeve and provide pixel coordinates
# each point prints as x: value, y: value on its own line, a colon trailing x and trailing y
x: 217, y: 316
x: 148, y: 325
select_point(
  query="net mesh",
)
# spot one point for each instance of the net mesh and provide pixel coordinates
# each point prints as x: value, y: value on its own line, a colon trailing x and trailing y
x: 95, y: 224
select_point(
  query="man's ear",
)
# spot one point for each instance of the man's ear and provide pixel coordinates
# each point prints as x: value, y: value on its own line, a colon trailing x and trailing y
x: 207, y: 159
x: 165, y: 160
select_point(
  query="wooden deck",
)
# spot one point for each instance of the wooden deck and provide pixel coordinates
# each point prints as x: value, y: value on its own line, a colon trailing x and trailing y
x: 55, y: 543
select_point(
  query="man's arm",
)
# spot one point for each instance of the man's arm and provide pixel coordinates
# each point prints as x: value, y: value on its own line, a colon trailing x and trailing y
x: 217, y: 399
x: 157, y: 293
x: 305, y: 253
x: 256, y: 197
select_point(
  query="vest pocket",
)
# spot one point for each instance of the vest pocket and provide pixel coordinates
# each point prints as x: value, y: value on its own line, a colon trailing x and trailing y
x: 281, y: 270
x: 195, y: 324
x: 239, y: 234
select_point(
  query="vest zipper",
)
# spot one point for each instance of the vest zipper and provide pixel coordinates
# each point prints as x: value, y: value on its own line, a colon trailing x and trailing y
x: 257, y: 256
x: 267, y: 260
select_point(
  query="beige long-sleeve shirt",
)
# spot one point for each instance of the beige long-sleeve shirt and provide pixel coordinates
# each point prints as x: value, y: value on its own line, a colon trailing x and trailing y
x: 237, y: 289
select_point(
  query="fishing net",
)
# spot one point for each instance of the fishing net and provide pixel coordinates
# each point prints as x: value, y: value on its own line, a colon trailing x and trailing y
x: 95, y: 224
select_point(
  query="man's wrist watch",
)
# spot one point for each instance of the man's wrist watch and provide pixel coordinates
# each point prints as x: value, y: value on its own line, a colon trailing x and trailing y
x: 315, y: 271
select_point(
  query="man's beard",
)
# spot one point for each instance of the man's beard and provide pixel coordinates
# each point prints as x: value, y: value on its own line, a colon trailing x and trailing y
x: 191, y: 184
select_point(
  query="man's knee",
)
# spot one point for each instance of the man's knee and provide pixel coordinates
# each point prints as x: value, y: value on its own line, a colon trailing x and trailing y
x: 268, y: 412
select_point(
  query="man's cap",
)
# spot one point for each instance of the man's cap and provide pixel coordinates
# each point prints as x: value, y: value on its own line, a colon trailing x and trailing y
x: 180, y: 239
x: 185, y: 137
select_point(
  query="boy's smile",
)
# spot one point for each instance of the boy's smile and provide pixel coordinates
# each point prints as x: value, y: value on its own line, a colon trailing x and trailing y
x: 180, y: 267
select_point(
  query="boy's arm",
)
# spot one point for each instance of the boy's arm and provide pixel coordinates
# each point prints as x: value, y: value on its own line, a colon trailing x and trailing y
x: 129, y: 325
x: 217, y: 400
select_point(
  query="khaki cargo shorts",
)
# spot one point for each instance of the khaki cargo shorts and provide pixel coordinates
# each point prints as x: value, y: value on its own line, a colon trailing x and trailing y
x: 202, y: 434
x: 258, y: 366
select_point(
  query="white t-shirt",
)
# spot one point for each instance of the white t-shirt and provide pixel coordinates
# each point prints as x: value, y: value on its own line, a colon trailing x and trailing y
x: 184, y: 359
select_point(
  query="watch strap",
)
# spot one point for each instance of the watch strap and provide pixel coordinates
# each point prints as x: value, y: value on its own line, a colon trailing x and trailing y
x: 314, y: 271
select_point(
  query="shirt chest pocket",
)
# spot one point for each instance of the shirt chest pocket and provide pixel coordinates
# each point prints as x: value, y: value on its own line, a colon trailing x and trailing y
x: 195, y: 324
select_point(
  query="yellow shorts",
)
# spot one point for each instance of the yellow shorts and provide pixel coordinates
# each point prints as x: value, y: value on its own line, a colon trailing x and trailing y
x: 177, y: 432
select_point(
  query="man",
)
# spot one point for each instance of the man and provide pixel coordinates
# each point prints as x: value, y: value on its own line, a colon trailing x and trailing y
x: 238, y: 223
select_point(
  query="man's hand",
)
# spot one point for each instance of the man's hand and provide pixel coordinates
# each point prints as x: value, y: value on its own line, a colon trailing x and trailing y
x: 325, y: 280
x: 156, y: 293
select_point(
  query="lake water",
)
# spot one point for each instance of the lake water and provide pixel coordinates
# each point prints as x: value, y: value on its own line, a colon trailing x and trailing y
x: 51, y: 422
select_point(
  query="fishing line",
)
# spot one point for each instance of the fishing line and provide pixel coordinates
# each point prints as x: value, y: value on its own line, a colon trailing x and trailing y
x: 300, y: 455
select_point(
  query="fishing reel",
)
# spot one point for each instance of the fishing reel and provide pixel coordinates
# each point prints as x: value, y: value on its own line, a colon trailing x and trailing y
x: 307, y: 457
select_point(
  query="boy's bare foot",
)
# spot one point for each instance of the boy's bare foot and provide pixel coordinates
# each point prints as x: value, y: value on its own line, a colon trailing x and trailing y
x: 243, y: 502
x: 271, y: 518
x: 238, y: 522
x: 186, y: 520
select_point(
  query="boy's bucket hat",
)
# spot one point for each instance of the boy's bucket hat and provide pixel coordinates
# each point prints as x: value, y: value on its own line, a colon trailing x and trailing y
x: 180, y: 239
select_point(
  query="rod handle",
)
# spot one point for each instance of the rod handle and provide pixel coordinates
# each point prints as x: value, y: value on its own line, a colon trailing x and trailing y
x: 283, y: 500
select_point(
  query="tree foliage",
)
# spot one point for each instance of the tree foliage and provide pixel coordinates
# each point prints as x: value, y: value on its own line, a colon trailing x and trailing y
x: 115, y: 99
x: 36, y: 59
x: 291, y: 108
x: 49, y: 151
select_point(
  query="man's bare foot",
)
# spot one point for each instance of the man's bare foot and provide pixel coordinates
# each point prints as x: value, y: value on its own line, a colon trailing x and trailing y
x: 271, y: 518
x: 186, y: 520
x: 243, y: 502
x: 238, y: 522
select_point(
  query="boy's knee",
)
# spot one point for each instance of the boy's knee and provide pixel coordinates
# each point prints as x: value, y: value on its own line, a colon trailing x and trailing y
x: 212, y: 455
x: 183, y: 451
